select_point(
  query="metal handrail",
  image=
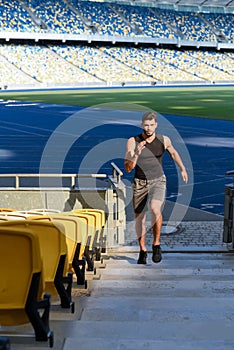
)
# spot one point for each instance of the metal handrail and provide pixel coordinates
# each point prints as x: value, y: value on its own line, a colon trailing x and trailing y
x: 230, y: 172
x: 72, y: 176
x: 116, y: 172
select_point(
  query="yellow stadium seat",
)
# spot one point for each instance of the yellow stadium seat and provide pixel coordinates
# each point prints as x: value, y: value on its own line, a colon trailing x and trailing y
x: 7, y: 210
x: 2, y: 218
x: 101, y: 213
x: 43, y: 211
x: 76, y: 239
x: 22, y: 283
x: 13, y: 215
x: 100, y: 225
x: 91, y: 225
x: 54, y: 255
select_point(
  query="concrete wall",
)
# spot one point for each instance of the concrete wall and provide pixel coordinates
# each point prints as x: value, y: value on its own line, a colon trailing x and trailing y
x: 51, y: 199
x: 110, y: 199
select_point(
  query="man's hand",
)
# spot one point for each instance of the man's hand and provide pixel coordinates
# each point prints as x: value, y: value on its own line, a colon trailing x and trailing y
x: 140, y: 147
x: 132, y: 153
x: 184, y: 175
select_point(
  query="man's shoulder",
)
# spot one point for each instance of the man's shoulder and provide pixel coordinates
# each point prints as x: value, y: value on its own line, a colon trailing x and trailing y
x: 163, y: 139
x: 138, y: 137
x: 131, y: 141
x: 160, y: 137
x: 166, y: 141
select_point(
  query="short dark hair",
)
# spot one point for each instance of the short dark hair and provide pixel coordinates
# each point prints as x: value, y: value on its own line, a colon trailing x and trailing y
x: 149, y: 116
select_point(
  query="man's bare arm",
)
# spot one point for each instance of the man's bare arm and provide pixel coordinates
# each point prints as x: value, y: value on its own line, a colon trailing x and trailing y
x: 132, y: 153
x: 176, y: 157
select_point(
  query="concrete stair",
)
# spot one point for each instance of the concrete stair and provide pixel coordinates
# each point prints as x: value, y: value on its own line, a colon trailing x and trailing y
x: 184, y: 302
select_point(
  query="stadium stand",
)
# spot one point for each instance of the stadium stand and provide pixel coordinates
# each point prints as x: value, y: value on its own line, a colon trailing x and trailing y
x: 85, y: 47
x: 99, y: 65
x: 222, y: 64
x: 104, y: 17
x: 222, y: 25
x: 150, y: 64
x: 193, y: 65
x: 10, y: 74
x: 41, y: 64
x: 24, y: 261
x: 14, y: 17
x: 54, y: 255
x: 146, y: 22
x: 190, y: 25
x: 76, y: 234
x: 58, y: 17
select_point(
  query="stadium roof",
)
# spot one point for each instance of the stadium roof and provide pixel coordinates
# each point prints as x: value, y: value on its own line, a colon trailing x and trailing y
x: 208, y: 3
x: 196, y: 2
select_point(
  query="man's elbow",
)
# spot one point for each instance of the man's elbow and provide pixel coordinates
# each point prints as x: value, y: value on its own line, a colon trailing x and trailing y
x: 128, y: 166
x: 174, y: 155
x: 128, y: 169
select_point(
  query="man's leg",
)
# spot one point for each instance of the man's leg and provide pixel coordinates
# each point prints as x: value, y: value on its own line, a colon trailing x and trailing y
x: 140, y: 196
x: 157, y: 220
x: 141, y: 232
x: 141, y: 229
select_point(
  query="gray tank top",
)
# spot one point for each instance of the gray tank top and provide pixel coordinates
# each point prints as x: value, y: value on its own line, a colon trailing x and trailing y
x: 149, y: 163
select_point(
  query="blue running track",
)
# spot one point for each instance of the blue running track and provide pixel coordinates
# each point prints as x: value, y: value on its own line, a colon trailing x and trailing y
x: 25, y: 129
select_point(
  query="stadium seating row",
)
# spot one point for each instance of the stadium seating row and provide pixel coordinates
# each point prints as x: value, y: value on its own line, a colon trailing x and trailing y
x: 39, y: 253
x: 104, y: 18
x: 61, y: 64
x: 86, y: 64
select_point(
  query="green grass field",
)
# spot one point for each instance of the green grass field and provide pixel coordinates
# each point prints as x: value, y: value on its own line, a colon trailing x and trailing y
x: 207, y: 102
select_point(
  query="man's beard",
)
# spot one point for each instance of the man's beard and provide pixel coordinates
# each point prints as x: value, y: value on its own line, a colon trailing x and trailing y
x: 147, y: 135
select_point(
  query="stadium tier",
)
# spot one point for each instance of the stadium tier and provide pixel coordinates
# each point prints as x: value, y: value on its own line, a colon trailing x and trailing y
x: 49, y: 43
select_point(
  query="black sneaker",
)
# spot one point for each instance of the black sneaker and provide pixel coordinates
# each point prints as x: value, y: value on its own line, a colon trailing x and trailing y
x: 157, y: 256
x: 142, y: 257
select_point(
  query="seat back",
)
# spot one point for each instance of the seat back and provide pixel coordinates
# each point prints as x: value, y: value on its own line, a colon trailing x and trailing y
x: 99, y: 219
x: 44, y: 211
x: 100, y: 214
x: 75, y: 229
x: 52, y: 244
x: 13, y: 215
x: 91, y: 224
x: 20, y: 259
x: 7, y: 210
x: 28, y: 212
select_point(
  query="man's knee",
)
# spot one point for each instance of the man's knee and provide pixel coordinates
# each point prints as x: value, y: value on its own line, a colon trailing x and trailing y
x: 156, y: 209
x: 140, y: 216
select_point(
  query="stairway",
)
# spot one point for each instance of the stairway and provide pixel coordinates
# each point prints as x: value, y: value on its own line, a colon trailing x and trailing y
x: 185, y: 302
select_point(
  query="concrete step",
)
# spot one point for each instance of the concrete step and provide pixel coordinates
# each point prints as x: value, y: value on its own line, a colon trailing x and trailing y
x: 185, y: 302
x: 178, y: 309
x: 176, y: 288
x: 180, y: 259
x: 167, y: 333
x: 132, y: 344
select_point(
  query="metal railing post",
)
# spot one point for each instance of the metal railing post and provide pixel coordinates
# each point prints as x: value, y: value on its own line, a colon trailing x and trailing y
x: 228, y: 227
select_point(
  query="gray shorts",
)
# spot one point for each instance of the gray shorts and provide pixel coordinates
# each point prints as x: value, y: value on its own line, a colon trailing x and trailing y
x: 144, y: 190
